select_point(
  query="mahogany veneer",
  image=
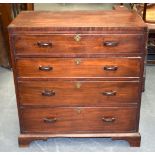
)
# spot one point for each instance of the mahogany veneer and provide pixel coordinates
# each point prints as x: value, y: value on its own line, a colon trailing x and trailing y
x: 65, y: 43
x: 78, y: 74
x: 79, y: 93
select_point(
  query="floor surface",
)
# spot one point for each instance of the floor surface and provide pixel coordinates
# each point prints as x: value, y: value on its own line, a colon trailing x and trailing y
x: 9, y: 127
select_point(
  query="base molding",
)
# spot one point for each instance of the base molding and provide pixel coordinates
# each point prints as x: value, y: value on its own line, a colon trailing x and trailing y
x: 133, y: 139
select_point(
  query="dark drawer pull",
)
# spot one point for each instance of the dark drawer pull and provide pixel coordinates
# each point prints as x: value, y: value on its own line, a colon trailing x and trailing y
x: 110, y: 43
x: 109, y: 93
x: 110, y: 68
x: 108, y: 119
x: 45, y: 68
x: 44, y: 44
x: 50, y: 120
x: 48, y: 93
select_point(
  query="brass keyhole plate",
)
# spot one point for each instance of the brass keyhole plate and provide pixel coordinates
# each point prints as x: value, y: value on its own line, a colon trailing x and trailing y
x: 77, y: 61
x: 77, y: 37
x: 78, y: 85
x: 78, y: 110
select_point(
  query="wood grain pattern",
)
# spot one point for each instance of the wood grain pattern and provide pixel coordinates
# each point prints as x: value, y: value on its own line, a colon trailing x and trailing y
x: 93, y: 20
x: 132, y: 138
x: 68, y: 67
x: 78, y: 119
x: 5, y: 19
x: 68, y: 83
x: 79, y: 93
x: 67, y: 44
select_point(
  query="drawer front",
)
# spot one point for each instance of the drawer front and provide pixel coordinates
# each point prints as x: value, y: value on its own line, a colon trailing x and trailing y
x: 77, y: 44
x: 63, y: 120
x: 78, y: 93
x: 78, y: 67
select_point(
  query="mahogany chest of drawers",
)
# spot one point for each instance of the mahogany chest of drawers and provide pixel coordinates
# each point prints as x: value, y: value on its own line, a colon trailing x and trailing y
x: 78, y: 74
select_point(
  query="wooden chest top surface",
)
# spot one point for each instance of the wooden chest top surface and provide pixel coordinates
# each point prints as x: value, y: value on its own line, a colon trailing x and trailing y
x: 99, y: 20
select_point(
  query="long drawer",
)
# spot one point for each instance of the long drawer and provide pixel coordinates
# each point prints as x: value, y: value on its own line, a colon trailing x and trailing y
x: 65, y: 120
x: 77, y: 44
x: 79, y: 67
x: 78, y: 93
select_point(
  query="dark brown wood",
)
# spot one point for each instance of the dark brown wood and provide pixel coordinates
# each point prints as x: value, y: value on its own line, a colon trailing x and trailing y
x: 3, y: 50
x: 151, y: 62
x: 5, y: 20
x: 67, y: 93
x: 79, y: 67
x: 78, y: 119
x: 151, y: 47
x: 81, y: 78
x: 24, y: 141
x: 133, y: 141
x: 29, y: 6
x: 66, y: 44
x: 144, y: 12
x: 132, y: 138
x: 18, y: 7
x: 92, y: 20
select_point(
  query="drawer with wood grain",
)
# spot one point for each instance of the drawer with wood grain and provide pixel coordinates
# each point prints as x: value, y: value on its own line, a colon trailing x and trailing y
x: 79, y: 67
x: 78, y: 119
x: 78, y: 93
x: 77, y: 44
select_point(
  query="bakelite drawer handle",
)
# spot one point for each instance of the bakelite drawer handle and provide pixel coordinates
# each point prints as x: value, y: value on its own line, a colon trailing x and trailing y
x: 110, y: 68
x: 50, y: 120
x: 110, y: 43
x: 109, y: 93
x: 45, y: 68
x: 44, y: 44
x: 108, y: 119
x: 48, y: 93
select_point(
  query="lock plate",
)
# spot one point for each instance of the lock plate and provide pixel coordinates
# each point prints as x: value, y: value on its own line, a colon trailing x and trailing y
x: 78, y: 110
x: 77, y: 37
x: 77, y: 61
x: 78, y: 85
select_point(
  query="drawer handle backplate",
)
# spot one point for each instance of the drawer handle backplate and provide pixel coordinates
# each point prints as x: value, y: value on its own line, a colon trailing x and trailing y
x: 108, y: 119
x: 110, y: 68
x: 44, y: 44
x: 48, y: 93
x: 109, y: 93
x: 45, y: 68
x: 110, y: 43
x: 50, y: 120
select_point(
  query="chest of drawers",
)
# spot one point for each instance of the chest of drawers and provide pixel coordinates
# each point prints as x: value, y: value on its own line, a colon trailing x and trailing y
x: 78, y: 74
